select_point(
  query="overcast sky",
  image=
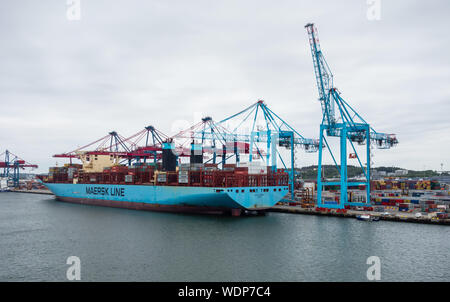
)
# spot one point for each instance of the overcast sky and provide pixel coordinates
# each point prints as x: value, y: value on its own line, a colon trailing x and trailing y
x: 128, y: 64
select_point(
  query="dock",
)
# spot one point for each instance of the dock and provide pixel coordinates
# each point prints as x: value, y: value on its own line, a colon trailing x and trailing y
x: 403, y: 217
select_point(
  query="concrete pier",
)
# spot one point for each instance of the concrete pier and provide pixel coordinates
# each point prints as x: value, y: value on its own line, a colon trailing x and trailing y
x: 400, y: 217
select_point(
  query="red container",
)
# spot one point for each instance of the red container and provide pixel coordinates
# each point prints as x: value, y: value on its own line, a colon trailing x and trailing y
x: 241, y: 170
x: 229, y: 165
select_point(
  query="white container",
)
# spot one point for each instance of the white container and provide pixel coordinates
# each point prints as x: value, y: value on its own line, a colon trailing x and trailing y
x: 183, y: 177
x: 254, y: 168
x: 162, y: 177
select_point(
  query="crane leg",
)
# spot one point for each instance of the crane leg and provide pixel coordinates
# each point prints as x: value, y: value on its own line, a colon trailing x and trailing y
x: 344, y: 197
x: 319, y: 170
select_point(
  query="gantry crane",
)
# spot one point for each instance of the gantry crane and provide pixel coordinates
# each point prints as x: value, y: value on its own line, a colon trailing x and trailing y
x: 15, y: 163
x: 346, y: 124
x: 127, y: 149
x: 232, y: 132
x: 213, y: 138
x: 110, y: 144
x: 154, y: 140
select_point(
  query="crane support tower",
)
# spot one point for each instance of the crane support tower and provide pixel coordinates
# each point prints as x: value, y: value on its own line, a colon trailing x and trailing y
x: 341, y: 120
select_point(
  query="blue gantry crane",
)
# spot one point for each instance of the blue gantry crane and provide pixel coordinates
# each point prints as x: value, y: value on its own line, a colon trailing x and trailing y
x: 241, y: 128
x: 341, y: 120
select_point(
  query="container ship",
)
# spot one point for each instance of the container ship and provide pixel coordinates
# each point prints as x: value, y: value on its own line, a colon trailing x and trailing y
x: 167, y: 185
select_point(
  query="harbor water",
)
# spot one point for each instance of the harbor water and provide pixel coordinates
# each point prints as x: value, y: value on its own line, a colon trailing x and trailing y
x: 38, y: 234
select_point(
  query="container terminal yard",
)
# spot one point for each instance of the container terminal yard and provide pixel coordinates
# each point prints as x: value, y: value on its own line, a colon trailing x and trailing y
x: 203, y: 168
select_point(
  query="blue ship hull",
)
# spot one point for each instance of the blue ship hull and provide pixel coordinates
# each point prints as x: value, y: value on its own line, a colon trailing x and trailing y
x: 170, y: 198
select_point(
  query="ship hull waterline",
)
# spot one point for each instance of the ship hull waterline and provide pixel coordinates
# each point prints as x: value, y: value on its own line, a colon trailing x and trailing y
x: 207, y: 200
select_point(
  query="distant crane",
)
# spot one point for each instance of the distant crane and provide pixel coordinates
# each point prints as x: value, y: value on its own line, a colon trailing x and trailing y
x: 347, y: 124
x: 15, y: 163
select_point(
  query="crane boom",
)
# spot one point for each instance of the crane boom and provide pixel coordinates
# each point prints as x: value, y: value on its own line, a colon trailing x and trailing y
x: 330, y: 98
x: 324, y: 76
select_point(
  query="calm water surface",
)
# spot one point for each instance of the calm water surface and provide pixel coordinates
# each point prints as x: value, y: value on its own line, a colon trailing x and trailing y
x: 37, y: 234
